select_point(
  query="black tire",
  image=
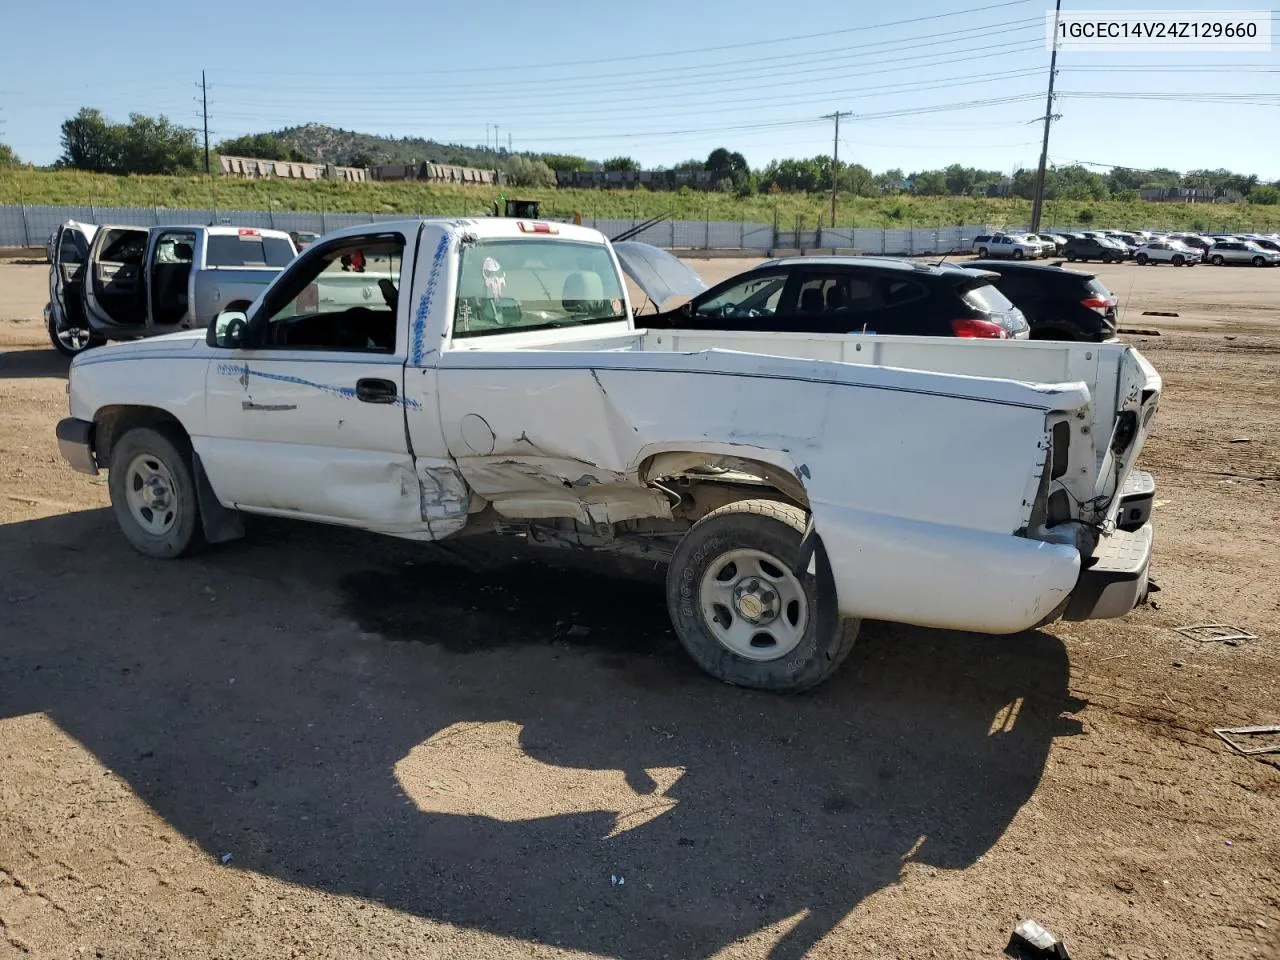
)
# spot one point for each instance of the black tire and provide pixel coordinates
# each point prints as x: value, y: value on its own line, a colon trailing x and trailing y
x: 775, y: 529
x: 171, y: 449
x: 1178, y: 260
x: 1259, y: 261
x: 1071, y: 255
x: 1017, y: 254
x: 1217, y: 260
x: 1142, y: 259
x: 62, y: 344
x: 983, y: 253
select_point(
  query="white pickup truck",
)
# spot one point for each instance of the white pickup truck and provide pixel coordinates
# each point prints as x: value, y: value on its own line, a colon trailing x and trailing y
x: 794, y: 483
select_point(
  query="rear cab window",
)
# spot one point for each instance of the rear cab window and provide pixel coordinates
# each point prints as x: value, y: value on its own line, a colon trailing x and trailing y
x: 513, y: 285
x: 247, y: 249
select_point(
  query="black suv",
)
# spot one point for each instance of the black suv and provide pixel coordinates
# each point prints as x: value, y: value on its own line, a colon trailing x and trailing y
x: 1060, y: 304
x: 1089, y: 248
x: 827, y: 294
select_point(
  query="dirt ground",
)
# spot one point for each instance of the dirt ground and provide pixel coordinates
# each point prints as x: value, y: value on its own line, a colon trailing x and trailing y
x: 314, y: 743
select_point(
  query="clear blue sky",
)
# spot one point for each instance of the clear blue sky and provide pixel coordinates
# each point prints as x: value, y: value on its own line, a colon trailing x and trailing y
x: 660, y: 80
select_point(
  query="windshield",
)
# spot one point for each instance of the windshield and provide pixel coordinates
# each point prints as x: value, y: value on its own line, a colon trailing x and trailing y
x: 510, y: 285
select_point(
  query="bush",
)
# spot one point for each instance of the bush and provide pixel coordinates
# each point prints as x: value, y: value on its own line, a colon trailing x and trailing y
x: 1264, y: 196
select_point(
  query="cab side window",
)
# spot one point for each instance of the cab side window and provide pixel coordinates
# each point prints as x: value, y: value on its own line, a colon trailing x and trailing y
x: 344, y: 297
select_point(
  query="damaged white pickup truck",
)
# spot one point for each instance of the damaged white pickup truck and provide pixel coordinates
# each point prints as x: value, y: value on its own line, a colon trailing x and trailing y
x: 794, y: 483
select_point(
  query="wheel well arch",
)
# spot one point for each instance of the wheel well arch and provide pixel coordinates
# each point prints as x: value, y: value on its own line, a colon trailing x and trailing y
x: 753, y: 467
x: 112, y: 422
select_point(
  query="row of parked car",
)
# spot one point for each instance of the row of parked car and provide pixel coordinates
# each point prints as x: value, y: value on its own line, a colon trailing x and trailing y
x: 1143, y: 246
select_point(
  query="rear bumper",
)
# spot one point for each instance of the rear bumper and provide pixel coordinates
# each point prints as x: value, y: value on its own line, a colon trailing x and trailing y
x: 75, y: 444
x: 1137, y: 498
x: 1114, y: 580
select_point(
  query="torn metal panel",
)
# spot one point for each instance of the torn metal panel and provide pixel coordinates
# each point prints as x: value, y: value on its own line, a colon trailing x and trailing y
x: 544, y: 487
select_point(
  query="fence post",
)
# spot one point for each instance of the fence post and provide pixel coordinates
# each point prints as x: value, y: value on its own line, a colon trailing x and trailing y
x: 707, y: 244
x: 911, y: 239
x: 272, y: 221
x: 742, y: 234
x: 673, y: 234
x: 26, y: 230
x: 774, y: 245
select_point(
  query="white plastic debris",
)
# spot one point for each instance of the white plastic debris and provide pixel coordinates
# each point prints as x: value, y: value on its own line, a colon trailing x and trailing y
x: 617, y: 881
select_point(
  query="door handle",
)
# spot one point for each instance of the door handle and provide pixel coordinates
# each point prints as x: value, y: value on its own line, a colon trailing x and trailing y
x: 374, y: 390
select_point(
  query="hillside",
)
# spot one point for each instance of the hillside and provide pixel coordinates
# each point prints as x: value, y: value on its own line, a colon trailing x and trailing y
x: 73, y: 187
x: 330, y: 145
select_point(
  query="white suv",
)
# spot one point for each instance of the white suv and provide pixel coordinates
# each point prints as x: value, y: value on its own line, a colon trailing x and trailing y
x: 1006, y: 245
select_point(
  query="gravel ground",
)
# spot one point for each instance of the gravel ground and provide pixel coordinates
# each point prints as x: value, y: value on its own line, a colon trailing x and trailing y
x: 398, y: 750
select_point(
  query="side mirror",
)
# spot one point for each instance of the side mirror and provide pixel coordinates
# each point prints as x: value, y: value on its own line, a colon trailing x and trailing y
x: 686, y: 309
x: 228, y: 330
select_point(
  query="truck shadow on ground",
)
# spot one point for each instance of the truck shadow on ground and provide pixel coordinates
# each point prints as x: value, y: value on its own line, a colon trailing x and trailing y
x: 28, y: 363
x: 284, y: 699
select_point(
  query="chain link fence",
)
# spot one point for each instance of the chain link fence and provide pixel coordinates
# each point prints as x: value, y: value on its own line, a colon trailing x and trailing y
x: 31, y: 226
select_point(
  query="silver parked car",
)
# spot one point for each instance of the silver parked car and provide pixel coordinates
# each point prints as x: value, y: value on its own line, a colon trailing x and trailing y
x: 1242, y: 251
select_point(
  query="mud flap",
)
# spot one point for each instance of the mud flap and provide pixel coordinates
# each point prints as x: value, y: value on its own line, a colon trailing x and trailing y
x: 220, y: 524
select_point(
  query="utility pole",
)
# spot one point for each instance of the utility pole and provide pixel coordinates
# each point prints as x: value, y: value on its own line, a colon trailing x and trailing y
x: 1037, y: 202
x: 495, y: 138
x: 835, y: 158
x: 204, y: 110
x: 486, y: 136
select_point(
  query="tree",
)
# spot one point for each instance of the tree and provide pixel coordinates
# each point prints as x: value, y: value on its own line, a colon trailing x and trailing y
x: 90, y: 142
x: 1264, y: 196
x: 154, y: 145
x: 361, y: 159
x: 858, y: 180
x: 725, y: 166
x: 566, y: 162
x: 623, y: 164
x: 262, y: 146
x: 525, y: 171
x: 7, y: 157
x: 143, y: 145
x: 891, y: 181
x: 929, y: 183
x: 959, y: 180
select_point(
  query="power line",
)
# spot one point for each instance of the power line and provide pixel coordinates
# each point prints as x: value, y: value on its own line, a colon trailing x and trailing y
x: 560, y: 65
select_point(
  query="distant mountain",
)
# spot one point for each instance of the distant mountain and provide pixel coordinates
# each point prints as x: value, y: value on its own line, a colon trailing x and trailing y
x: 328, y: 145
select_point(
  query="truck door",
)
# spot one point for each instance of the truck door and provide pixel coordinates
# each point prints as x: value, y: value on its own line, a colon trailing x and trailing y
x: 308, y: 421
x: 115, y: 289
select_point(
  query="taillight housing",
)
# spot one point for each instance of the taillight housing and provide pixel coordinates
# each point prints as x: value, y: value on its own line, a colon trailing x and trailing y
x: 1099, y: 304
x: 977, y: 327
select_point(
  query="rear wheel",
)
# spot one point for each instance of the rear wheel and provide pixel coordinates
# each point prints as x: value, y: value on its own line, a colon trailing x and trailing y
x: 741, y: 611
x: 153, y: 492
x: 1217, y: 260
x: 1142, y: 259
x: 1017, y: 254
x: 983, y: 253
x: 1071, y: 255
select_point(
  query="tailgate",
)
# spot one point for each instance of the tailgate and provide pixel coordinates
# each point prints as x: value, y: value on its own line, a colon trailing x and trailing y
x: 1138, y: 392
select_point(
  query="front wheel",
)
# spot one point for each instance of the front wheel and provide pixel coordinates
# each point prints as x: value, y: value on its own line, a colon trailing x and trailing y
x: 1142, y: 259
x: 1178, y: 260
x: 153, y: 492
x: 741, y: 611
x: 69, y: 340
x: 1259, y: 261
x: 1017, y: 254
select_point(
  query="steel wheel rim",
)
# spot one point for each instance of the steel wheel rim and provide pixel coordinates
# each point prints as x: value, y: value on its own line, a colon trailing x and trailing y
x: 753, y: 604
x: 150, y: 493
x: 73, y: 338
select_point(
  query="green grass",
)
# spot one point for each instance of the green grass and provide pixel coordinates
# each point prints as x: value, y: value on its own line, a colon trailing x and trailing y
x: 70, y: 187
